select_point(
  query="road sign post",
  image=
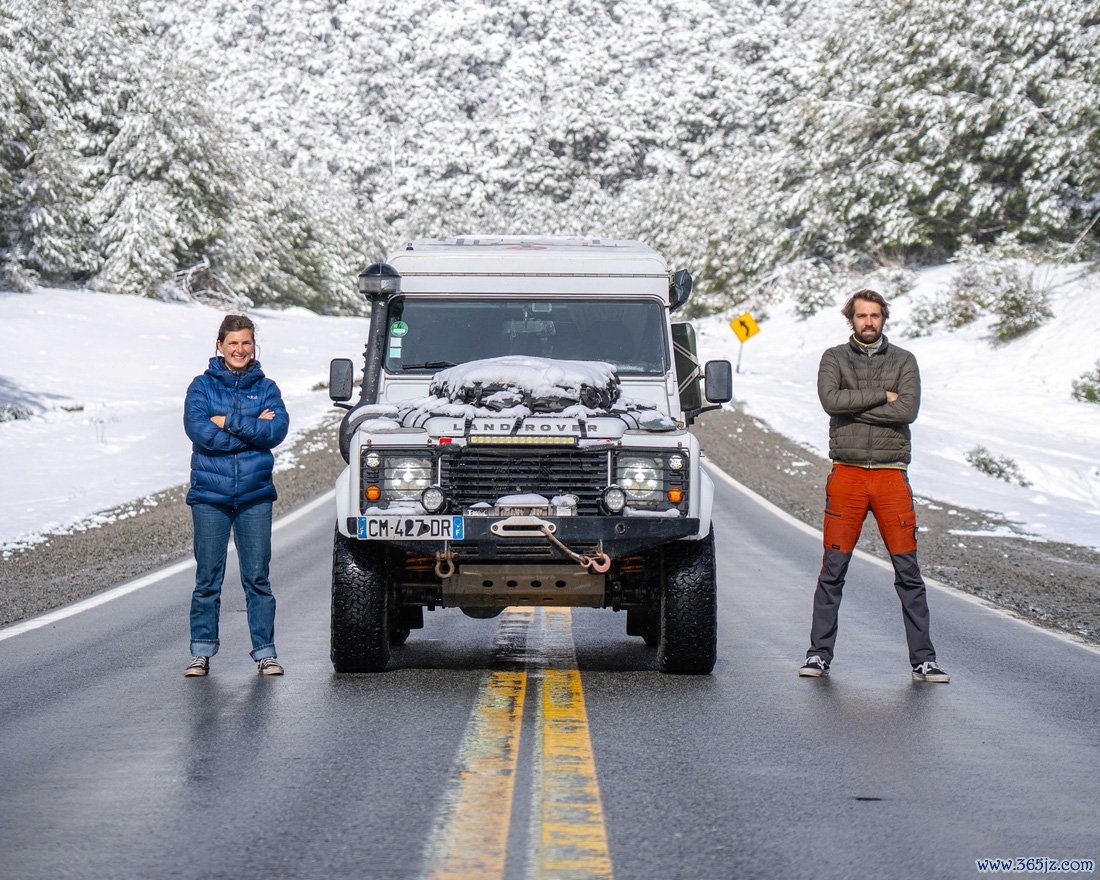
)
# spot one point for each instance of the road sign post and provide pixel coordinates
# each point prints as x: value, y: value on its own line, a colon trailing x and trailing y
x: 743, y: 328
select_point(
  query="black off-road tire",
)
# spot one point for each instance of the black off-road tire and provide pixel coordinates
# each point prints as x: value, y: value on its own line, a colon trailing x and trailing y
x: 689, y: 608
x: 360, y: 606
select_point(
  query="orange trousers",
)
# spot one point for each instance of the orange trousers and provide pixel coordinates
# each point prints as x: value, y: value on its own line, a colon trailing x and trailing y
x: 853, y: 491
x: 850, y: 493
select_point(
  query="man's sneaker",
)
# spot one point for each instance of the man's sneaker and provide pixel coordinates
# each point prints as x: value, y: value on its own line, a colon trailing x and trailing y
x: 814, y: 667
x: 269, y: 666
x: 197, y: 666
x: 930, y: 670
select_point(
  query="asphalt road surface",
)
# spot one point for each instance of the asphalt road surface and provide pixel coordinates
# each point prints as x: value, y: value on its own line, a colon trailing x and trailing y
x: 544, y: 743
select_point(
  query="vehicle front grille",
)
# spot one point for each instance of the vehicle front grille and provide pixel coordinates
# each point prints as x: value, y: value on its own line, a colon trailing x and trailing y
x: 473, y: 475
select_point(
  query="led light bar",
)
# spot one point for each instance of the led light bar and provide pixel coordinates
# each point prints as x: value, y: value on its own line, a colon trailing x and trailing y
x: 513, y: 440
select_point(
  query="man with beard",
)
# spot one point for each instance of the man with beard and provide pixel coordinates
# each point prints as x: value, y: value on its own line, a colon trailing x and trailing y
x: 871, y: 391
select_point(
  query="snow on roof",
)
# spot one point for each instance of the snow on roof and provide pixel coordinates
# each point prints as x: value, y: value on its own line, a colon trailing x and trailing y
x: 529, y: 255
x: 528, y: 242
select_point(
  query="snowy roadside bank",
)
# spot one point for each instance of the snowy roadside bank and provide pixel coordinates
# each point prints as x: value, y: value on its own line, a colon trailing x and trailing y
x: 1054, y: 585
x: 145, y: 534
x: 1009, y: 400
x: 95, y: 385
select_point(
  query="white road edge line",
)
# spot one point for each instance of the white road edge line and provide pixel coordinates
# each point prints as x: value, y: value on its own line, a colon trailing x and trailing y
x: 714, y: 470
x: 146, y: 580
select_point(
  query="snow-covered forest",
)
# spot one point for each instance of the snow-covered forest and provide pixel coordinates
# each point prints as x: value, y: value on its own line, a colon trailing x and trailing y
x: 765, y: 144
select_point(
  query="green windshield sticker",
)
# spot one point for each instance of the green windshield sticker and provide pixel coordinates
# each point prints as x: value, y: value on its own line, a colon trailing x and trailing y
x: 399, y: 329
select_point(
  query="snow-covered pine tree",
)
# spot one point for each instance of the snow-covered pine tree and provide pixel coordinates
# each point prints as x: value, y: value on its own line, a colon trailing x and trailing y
x: 618, y: 118
x: 292, y: 243
x: 43, y: 230
x: 927, y: 125
x: 165, y: 172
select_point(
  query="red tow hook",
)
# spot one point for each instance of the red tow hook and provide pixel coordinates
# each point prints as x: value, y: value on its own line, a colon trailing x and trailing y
x: 599, y: 563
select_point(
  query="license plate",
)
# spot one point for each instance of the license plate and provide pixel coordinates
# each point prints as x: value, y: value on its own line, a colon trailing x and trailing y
x: 410, y: 528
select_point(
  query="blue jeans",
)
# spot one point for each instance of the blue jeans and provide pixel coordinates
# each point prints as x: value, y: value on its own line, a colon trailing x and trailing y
x: 251, y: 526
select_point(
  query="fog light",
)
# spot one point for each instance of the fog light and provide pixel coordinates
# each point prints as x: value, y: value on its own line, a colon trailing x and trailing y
x: 434, y: 499
x: 373, y: 493
x: 676, y: 462
x: 373, y: 460
x: 613, y: 499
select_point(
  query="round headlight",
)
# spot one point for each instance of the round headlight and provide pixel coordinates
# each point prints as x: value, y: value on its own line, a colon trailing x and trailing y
x: 640, y: 478
x: 613, y: 499
x: 372, y: 460
x: 434, y: 499
x: 407, y: 478
x: 676, y: 462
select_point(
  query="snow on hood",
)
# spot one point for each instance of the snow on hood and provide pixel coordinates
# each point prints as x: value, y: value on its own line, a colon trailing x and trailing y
x: 518, y: 387
x: 541, y: 384
x: 537, y: 376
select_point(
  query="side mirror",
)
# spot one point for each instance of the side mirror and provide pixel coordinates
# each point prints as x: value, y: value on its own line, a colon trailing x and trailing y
x: 341, y: 380
x: 679, y: 289
x: 719, y: 380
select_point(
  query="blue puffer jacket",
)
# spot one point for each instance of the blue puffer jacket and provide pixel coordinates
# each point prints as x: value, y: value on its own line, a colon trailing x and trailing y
x: 232, y: 465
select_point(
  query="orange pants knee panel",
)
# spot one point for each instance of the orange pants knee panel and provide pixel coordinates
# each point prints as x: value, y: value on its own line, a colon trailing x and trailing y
x: 853, y: 491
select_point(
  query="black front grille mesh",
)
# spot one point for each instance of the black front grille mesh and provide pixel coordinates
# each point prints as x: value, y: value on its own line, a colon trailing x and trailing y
x: 511, y: 548
x: 473, y: 475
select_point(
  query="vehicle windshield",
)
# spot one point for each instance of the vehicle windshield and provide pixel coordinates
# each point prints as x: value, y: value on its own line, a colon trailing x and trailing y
x: 428, y: 334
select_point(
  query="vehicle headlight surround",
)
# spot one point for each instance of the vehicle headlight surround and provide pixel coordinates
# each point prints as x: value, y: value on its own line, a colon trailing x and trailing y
x: 653, y: 479
x: 641, y: 477
x: 405, y: 477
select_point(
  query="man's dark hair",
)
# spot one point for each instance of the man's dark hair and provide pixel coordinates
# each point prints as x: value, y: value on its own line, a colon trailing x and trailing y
x: 233, y: 323
x: 870, y: 296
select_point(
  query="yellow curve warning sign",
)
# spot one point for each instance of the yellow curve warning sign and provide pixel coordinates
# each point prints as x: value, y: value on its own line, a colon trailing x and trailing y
x: 744, y: 327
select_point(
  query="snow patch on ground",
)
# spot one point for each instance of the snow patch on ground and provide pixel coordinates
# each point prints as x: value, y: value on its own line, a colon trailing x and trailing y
x: 105, y: 377
x: 1013, y: 399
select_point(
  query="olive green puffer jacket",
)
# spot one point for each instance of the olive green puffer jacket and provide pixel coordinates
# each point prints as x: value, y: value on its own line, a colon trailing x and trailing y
x: 864, y: 428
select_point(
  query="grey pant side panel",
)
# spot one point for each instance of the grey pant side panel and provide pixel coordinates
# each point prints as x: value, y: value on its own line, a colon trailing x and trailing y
x: 827, y: 596
x: 914, y: 606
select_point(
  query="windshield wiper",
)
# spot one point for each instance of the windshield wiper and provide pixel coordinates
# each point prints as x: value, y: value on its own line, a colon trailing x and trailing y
x: 429, y: 365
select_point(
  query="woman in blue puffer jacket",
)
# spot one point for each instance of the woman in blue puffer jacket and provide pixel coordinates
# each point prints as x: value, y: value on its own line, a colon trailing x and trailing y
x: 234, y: 416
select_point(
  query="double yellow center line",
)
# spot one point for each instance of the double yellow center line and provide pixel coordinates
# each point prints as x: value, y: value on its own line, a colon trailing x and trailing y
x: 568, y: 836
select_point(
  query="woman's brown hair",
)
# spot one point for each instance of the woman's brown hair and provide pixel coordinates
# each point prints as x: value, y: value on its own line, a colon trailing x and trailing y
x: 233, y: 323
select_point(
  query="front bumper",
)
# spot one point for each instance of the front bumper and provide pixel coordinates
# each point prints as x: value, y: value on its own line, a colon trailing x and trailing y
x: 617, y: 536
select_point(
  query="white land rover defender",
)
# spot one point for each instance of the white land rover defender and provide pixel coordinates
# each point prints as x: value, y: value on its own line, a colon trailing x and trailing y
x: 521, y: 438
